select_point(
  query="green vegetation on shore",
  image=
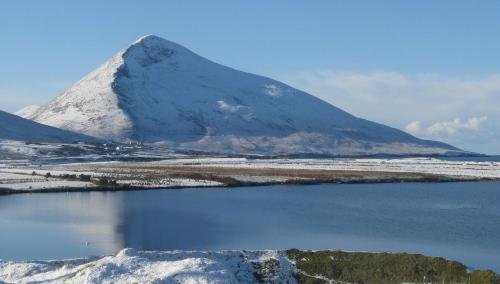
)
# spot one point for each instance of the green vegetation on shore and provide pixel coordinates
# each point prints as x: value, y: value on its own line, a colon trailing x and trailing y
x: 388, y: 268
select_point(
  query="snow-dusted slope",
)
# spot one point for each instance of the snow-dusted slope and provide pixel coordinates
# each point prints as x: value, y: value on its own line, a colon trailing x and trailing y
x: 27, y: 111
x: 13, y: 127
x: 158, y: 91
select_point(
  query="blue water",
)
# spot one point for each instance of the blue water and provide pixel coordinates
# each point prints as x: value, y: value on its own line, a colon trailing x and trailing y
x: 459, y: 221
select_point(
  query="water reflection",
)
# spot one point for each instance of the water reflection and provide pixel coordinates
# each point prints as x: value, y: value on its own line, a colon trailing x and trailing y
x: 48, y: 226
x: 159, y: 227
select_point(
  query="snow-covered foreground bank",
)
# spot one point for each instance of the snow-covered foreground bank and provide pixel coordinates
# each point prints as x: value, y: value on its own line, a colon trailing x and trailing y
x: 23, y: 176
x: 130, y: 266
x: 292, y: 266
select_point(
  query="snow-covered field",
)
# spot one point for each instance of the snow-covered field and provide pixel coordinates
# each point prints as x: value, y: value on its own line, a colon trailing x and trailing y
x: 47, y: 184
x: 130, y: 266
x: 25, y: 180
x: 406, y: 165
x: 206, y: 172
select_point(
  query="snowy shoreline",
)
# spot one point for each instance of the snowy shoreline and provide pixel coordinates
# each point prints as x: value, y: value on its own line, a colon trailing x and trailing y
x: 130, y: 266
x: 4, y: 191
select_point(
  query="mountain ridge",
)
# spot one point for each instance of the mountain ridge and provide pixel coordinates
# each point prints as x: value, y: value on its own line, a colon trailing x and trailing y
x: 13, y: 127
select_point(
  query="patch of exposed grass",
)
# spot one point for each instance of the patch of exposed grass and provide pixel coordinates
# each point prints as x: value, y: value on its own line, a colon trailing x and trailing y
x: 389, y: 268
x: 267, y: 271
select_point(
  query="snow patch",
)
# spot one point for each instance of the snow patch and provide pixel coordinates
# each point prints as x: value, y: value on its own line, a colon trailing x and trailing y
x: 273, y: 91
x: 228, y: 107
x: 130, y: 266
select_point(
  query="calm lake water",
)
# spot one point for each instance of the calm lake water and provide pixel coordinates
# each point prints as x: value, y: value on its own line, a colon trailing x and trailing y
x: 459, y: 221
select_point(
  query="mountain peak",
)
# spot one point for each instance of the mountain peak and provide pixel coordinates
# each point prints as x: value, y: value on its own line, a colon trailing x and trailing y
x: 148, y: 37
x: 151, y: 49
x: 156, y: 90
x: 154, y: 41
x: 150, y: 40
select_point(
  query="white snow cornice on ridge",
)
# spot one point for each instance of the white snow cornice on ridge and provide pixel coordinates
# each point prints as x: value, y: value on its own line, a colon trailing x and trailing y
x: 157, y: 91
x: 150, y: 38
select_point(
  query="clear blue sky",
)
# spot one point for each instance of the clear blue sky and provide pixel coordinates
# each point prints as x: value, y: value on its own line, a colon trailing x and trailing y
x: 47, y: 45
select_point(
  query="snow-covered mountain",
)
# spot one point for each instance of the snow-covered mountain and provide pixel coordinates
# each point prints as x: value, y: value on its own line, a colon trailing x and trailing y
x: 13, y: 127
x: 156, y: 91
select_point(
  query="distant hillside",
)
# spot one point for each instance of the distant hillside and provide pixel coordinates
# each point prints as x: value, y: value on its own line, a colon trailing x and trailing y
x: 13, y: 127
